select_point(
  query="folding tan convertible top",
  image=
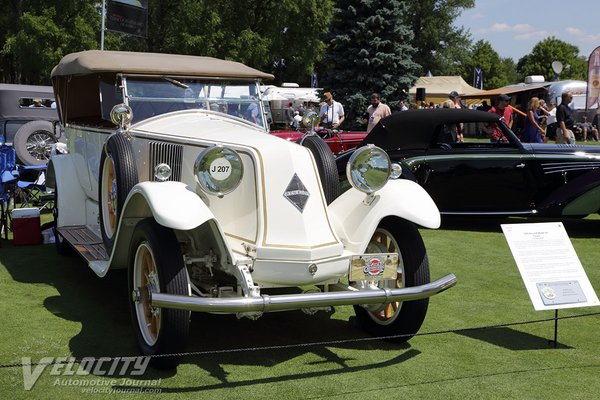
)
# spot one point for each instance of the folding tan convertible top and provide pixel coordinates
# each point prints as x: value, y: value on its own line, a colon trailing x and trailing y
x: 97, y: 61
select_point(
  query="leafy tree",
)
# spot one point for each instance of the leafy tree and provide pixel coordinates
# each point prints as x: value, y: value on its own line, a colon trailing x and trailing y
x: 278, y: 36
x: 539, y: 61
x: 441, y: 47
x: 369, y: 51
x: 510, y: 71
x: 496, y: 71
x: 42, y: 33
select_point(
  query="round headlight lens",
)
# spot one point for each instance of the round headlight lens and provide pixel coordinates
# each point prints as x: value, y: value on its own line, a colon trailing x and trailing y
x: 396, y: 171
x: 162, y: 172
x: 121, y: 115
x: 368, y: 169
x: 218, y: 170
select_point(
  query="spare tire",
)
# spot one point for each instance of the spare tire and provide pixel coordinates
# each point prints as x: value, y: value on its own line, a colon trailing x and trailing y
x: 33, y: 142
x: 118, y: 175
x: 326, y: 165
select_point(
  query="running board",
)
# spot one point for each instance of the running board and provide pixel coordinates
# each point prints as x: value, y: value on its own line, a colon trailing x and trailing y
x: 87, y: 243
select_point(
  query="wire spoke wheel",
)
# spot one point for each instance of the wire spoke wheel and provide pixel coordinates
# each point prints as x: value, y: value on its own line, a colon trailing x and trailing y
x: 39, y: 145
x: 146, y: 275
x: 384, y: 242
x: 402, y: 318
x: 109, y: 197
x: 156, y: 266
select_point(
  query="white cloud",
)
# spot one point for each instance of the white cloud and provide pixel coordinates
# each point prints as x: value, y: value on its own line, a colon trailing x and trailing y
x: 477, y: 16
x: 498, y: 28
x: 575, y: 31
x: 532, y: 35
x: 502, y: 27
x: 522, y: 28
x: 582, y: 36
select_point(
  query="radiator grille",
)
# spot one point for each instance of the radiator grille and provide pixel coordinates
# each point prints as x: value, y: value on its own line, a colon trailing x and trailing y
x: 168, y: 153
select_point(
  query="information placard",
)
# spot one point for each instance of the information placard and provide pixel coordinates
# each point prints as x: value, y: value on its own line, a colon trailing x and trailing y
x: 549, y: 266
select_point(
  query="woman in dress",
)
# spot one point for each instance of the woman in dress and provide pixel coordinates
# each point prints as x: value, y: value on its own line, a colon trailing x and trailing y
x: 533, y: 132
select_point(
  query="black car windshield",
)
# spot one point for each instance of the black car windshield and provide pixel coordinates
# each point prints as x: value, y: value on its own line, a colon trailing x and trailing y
x: 149, y: 97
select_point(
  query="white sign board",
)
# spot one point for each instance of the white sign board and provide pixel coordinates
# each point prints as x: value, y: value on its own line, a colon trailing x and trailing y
x: 549, y: 266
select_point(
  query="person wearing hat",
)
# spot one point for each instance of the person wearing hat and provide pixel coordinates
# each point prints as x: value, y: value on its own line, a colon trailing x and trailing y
x: 503, y: 109
x: 332, y: 112
x: 296, y: 122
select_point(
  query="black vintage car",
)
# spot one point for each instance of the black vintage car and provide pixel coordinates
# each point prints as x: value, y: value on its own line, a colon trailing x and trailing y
x: 481, y: 177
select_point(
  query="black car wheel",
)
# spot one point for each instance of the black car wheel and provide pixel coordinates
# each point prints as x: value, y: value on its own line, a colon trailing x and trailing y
x: 156, y: 264
x: 395, y: 235
x: 325, y: 164
x: 118, y: 174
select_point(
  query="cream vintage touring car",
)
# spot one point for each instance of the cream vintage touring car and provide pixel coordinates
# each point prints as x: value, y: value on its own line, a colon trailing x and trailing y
x: 172, y: 174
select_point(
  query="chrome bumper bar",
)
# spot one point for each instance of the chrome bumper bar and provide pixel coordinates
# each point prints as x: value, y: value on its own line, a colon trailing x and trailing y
x: 266, y: 303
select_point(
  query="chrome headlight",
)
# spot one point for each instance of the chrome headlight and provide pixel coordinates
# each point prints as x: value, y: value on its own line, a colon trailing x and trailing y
x: 218, y: 170
x: 396, y: 171
x: 162, y: 172
x: 121, y: 115
x: 368, y: 169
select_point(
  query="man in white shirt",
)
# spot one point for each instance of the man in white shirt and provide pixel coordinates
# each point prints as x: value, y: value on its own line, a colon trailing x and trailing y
x: 332, y: 112
x: 297, y: 121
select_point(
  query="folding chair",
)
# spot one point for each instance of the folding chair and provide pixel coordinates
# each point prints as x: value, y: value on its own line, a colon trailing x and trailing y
x: 32, y: 187
x: 8, y: 178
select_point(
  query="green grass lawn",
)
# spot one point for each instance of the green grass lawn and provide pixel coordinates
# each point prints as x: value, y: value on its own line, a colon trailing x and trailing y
x: 55, y: 306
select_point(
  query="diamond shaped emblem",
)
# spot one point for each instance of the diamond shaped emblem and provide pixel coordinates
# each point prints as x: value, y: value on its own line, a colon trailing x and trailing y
x: 297, y: 193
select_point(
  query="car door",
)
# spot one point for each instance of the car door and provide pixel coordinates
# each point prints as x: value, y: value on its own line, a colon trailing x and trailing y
x: 477, y: 177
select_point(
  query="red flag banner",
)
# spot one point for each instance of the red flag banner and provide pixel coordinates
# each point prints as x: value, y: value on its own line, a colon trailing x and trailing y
x: 593, y: 81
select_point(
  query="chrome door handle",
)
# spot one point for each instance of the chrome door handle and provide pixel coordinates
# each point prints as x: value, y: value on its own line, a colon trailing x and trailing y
x: 520, y: 165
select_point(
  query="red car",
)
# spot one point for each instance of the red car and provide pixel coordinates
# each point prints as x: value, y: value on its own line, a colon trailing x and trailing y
x: 337, y: 141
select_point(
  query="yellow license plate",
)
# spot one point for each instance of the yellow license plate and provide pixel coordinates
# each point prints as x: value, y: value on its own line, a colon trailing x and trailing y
x: 371, y: 267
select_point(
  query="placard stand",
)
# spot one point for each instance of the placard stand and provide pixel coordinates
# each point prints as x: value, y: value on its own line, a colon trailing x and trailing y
x: 550, y: 269
x: 555, y: 341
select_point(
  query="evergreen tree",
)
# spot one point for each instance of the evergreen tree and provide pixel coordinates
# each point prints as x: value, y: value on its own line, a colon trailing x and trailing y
x: 442, y: 48
x: 369, y: 50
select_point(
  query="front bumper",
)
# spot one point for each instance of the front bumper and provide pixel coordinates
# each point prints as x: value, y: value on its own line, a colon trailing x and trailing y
x: 266, y: 303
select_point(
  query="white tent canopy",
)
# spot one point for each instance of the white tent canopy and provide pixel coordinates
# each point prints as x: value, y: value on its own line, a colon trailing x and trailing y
x: 440, y: 86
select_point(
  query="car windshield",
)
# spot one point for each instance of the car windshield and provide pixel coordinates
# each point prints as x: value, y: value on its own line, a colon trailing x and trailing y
x: 149, y: 97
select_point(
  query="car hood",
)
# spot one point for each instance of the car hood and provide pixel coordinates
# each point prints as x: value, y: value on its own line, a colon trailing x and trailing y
x: 563, y: 149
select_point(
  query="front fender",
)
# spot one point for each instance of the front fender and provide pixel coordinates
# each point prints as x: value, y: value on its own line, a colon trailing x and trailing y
x: 354, y: 221
x: 172, y: 204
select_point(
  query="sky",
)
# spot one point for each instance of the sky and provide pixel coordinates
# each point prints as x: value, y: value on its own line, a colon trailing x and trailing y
x: 514, y: 27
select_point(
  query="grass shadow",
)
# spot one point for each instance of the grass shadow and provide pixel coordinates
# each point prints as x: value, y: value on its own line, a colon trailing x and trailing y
x: 224, y: 384
x: 100, y: 305
x: 511, y: 339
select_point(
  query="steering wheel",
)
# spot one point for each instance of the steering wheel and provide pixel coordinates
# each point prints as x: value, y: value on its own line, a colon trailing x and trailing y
x: 444, y: 146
